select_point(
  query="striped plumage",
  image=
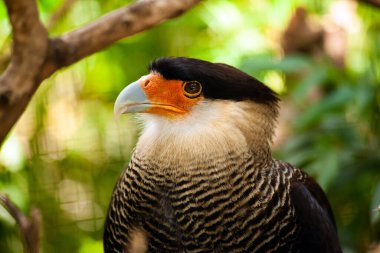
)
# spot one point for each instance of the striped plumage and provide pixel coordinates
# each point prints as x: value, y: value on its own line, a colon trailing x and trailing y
x: 216, y: 188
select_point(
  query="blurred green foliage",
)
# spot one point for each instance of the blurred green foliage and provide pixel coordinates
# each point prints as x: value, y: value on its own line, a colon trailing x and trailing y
x: 67, y: 151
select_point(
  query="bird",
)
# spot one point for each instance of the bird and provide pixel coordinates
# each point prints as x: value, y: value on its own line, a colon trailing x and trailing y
x: 202, y: 177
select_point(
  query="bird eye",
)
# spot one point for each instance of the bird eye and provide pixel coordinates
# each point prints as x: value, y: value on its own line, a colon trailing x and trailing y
x: 192, y: 89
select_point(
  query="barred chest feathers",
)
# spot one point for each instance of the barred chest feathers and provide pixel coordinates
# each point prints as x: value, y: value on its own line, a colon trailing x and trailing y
x: 213, y: 191
x: 202, y: 178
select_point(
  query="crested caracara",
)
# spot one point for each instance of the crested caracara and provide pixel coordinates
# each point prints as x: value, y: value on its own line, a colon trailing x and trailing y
x: 202, y: 177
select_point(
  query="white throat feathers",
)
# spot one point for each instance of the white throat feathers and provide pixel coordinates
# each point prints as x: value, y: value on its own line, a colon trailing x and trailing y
x: 212, y: 128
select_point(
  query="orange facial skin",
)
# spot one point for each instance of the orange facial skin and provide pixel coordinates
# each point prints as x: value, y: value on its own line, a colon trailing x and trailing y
x: 166, y: 96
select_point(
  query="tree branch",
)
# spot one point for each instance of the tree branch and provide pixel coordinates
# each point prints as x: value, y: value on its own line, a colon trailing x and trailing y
x: 29, y: 228
x: 36, y: 57
x: 28, y: 53
x: 373, y: 3
x: 126, y: 21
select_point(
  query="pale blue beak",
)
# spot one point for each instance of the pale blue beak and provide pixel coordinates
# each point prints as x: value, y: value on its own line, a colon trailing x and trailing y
x: 131, y: 99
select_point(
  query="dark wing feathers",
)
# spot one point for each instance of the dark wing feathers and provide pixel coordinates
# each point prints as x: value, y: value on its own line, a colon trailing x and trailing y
x: 315, y: 218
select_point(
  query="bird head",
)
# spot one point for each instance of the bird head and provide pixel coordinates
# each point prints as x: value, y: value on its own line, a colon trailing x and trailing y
x: 185, y: 98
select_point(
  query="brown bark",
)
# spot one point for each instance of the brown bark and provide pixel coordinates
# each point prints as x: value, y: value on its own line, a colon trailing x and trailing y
x: 29, y: 227
x: 35, y: 56
x: 28, y: 53
x: 373, y: 3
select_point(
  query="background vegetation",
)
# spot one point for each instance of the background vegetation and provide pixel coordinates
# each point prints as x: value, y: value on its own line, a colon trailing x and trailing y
x: 67, y: 151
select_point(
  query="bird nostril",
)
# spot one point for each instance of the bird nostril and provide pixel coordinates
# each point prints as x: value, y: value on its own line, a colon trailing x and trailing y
x: 146, y: 83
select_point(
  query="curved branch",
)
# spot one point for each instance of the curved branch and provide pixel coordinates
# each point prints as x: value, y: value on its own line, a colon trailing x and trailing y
x: 29, y: 227
x: 373, y: 3
x: 126, y: 21
x: 36, y: 57
x: 28, y: 53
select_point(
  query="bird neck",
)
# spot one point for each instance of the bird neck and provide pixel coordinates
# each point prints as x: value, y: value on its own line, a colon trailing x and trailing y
x: 212, y: 130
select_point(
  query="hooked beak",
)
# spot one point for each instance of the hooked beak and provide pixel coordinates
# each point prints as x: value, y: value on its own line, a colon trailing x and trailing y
x: 131, y: 99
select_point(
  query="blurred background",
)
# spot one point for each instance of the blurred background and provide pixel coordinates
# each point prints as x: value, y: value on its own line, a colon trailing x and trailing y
x: 323, y: 57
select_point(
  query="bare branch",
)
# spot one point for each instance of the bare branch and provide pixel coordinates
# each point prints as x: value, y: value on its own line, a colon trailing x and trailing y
x: 31, y: 47
x: 373, y: 3
x: 28, y: 53
x: 29, y: 228
x: 126, y: 21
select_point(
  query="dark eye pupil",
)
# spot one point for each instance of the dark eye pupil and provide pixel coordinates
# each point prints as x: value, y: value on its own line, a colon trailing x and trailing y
x: 192, y: 88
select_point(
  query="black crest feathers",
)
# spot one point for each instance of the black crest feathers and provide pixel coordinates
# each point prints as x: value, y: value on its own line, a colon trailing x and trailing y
x: 219, y: 81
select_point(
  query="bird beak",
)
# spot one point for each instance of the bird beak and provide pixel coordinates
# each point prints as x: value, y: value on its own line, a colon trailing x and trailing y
x: 131, y: 99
